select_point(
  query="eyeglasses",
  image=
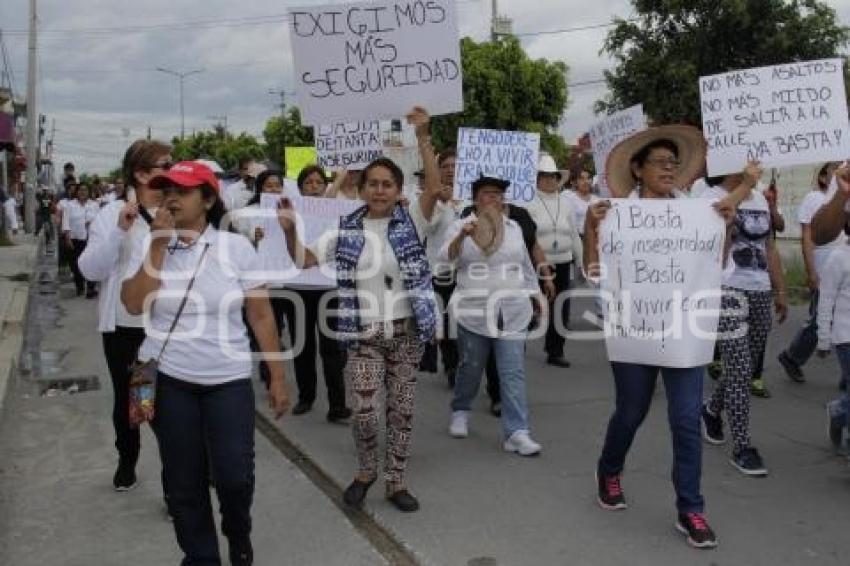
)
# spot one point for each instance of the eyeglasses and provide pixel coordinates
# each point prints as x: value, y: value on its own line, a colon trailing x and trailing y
x: 165, y: 165
x: 668, y: 163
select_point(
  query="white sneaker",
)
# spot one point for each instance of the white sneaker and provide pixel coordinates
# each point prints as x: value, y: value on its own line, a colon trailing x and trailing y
x: 521, y: 443
x: 459, y: 425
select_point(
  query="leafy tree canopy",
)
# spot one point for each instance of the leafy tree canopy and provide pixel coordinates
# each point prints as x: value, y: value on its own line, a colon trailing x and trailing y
x: 661, y: 53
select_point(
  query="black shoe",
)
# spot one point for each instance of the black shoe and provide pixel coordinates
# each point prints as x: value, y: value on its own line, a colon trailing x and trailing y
x: 748, y: 461
x: 337, y: 415
x: 355, y: 493
x: 712, y: 427
x: 558, y: 361
x: 496, y: 408
x: 792, y: 369
x: 609, y: 493
x: 302, y: 407
x: 241, y: 553
x: 125, y: 477
x: 695, y: 527
x: 404, y: 501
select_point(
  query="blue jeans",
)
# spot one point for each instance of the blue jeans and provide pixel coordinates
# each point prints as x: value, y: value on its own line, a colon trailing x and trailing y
x: 510, y: 361
x: 206, y: 431
x: 843, y: 353
x: 635, y: 385
x: 806, y: 340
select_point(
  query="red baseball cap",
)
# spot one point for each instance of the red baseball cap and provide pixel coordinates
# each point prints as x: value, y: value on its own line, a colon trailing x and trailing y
x: 187, y: 175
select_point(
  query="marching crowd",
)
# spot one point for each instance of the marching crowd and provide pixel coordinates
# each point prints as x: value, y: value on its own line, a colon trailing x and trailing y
x: 416, y: 276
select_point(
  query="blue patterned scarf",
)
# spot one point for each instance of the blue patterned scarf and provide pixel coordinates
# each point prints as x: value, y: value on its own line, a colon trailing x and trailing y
x: 413, y: 264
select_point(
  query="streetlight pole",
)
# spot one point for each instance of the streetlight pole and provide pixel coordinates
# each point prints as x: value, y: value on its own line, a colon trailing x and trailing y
x: 32, y: 124
x: 181, y: 76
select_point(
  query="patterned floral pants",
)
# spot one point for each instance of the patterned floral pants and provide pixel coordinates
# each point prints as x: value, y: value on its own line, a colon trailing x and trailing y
x: 386, y: 359
x: 746, y: 316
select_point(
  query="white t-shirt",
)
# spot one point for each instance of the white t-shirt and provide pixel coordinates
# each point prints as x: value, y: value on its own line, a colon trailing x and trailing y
x: 378, y: 279
x: 444, y: 216
x: 210, y: 344
x: 747, y: 267
x: 76, y: 217
x: 580, y: 207
x: 813, y: 201
x: 492, y: 293
x: 557, y: 235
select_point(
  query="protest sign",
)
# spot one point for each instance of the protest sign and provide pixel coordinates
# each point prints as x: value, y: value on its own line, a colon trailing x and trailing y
x: 349, y: 146
x: 511, y: 156
x: 661, y: 274
x: 782, y: 115
x: 373, y: 60
x: 297, y: 158
x: 315, y: 217
x: 607, y: 133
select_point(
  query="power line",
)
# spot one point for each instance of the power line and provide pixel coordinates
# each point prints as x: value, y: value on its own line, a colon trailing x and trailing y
x: 568, y: 30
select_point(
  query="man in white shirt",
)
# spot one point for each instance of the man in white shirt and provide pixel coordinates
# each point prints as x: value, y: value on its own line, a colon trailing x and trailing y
x: 237, y: 194
x: 804, y: 343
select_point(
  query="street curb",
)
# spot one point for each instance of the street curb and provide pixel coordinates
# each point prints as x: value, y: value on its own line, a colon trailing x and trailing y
x: 381, y: 536
x: 13, y: 317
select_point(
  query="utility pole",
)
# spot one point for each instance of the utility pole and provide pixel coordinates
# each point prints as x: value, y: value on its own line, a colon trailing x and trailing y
x: 495, y: 15
x: 32, y: 125
x: 182, y: 76
x: 282, y: 94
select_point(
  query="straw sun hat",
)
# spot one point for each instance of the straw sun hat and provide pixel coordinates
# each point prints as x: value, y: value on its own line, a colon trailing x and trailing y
x: 689, y: 141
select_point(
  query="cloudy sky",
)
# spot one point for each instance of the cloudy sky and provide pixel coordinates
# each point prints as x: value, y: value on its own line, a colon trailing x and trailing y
x: 98, y: 60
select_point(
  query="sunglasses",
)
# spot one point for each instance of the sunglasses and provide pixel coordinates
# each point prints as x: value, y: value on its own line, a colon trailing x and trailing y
x: 165, y: 165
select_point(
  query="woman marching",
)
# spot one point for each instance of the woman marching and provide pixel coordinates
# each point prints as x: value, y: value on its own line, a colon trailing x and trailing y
x: 76, y: 217
x: 653, y: 165
x: 753, y: 286
x: 387, y: 314
x: 114, y: 233
x: 204, y: 419
x: 493, y: 312
x: 312, y: 183
x: 557, y: 234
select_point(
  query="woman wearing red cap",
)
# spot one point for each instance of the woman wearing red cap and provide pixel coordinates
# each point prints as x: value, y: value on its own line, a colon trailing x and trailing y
x: 192, y: 281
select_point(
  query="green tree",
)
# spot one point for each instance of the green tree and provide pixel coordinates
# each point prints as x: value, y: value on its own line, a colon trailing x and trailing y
x: 661, y: 53
x: 225, y: 149
x: 282, y: 131
x: 504, y: 89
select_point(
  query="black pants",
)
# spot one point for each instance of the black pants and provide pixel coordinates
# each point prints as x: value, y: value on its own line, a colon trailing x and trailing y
x: 444, y: 287
x: 333, y: 357
x: 278, y: 306
x: 80, y: 282
x: 121, y: 348
x: 207, y: 431
x: 554, y: 340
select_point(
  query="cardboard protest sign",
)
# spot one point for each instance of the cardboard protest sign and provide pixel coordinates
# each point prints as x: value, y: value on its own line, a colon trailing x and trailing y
x: 662, y: 268
x: 297, y: 158
x: 610, y: 131
x: 782, y: 115
x: 373, y: 60
x: 315, y: 217
x: 511, y: 156
x: 349, y: 146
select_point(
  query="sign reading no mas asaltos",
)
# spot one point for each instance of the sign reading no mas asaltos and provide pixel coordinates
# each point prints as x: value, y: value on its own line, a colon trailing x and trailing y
x: 376, y: 60
x: 781, y: 115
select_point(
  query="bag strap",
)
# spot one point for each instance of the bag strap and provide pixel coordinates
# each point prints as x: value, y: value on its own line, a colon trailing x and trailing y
x: 184, y: 301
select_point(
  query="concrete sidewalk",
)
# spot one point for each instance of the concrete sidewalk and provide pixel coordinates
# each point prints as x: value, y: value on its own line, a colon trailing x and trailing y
x: 57, y: 505
x: 483, y: 507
